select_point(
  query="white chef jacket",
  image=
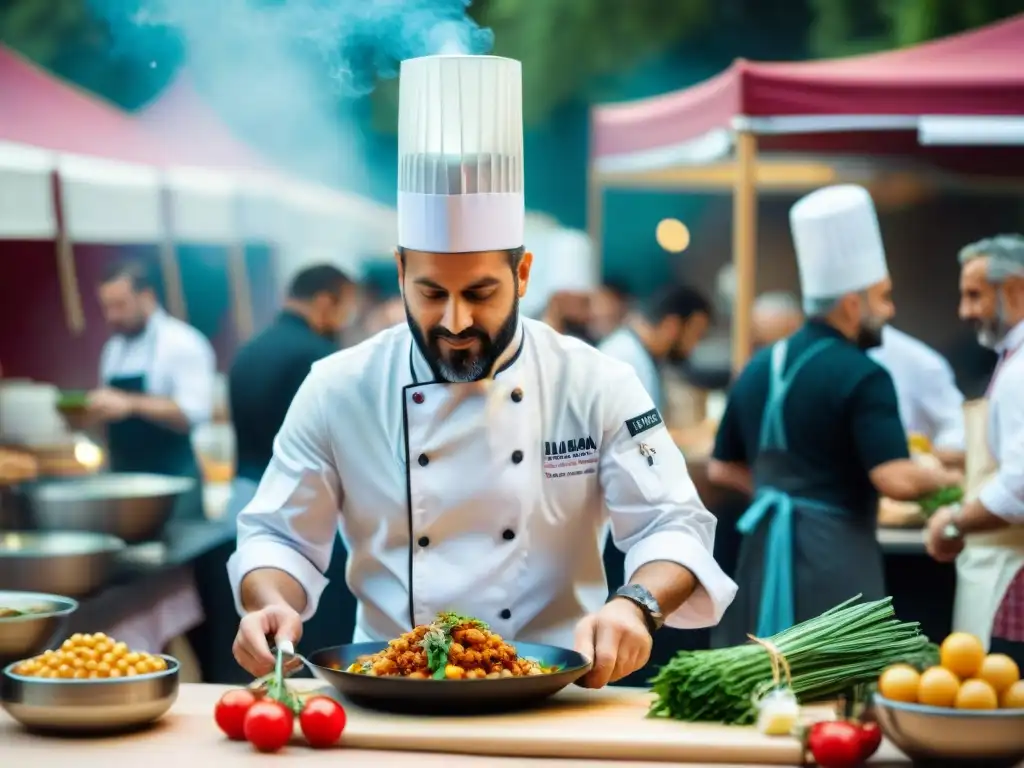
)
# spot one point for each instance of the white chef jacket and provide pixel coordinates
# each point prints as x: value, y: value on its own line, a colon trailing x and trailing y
x: 177, y: 360
x: 929, y: 401
x: 623, y: 344
x: 489, y: 498
x: 1003, y: 495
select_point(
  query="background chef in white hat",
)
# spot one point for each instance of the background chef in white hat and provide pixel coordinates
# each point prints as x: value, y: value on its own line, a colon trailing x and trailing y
x: 812, y: 428
x: 987, y: 531
x: 471, y: 458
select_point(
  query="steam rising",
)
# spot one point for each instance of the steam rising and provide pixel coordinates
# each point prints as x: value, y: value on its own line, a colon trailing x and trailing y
x: 290, y: 73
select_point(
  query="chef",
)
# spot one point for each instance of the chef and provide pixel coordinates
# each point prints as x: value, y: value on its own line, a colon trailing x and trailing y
x: 667, y: 329
x: 470, y: 458
x: 930, y: 403
x: 986, y: 534
x: 269, y: 369
x: 812, y: 429
x: 158, y: 384
x: 566, y: 282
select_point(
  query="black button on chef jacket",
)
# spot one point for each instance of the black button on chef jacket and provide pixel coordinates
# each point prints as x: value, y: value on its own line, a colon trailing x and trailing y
x: 263, y: 379
x: 841, y: 417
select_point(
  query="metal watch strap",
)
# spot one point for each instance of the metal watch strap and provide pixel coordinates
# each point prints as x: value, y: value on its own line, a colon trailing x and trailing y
x: 645, y: 601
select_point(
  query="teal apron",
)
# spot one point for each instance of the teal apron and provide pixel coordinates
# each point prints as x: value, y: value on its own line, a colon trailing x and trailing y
x: 799, y: 556
x: 138, y: 445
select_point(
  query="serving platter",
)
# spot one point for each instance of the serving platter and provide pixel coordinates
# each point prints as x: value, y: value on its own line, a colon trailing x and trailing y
x: 447, y: 697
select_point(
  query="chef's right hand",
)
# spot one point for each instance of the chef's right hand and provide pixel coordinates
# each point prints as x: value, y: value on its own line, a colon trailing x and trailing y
x: 252, y: 648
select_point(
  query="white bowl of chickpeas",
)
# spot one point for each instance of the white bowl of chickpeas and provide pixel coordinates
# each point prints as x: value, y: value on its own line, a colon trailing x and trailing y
x: 90, y: 684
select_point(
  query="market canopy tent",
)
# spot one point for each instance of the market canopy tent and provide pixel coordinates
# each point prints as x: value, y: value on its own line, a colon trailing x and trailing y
x: 932, y: 101
x: 313, y: 223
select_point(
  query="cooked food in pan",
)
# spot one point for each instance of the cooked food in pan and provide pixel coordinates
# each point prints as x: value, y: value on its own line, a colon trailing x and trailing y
x: 452, y: 647
x: 89, y: 657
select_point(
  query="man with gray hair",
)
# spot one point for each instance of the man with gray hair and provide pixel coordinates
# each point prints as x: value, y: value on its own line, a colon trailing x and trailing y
x: 986, y: 533
x: 812, y: 428
x: 775, y: 316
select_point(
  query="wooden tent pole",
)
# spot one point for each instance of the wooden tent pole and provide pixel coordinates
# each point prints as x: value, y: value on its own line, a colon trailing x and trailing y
x: 744, y: 247
x: 67, y: 274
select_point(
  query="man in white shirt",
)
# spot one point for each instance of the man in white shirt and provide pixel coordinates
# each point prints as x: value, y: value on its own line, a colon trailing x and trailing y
x: 157, y: 384
x: 930, y: 403
x: 986, y: 534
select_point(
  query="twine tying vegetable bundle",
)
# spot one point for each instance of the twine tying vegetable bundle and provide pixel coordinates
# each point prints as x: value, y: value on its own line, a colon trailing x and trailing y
x: 821, y: 658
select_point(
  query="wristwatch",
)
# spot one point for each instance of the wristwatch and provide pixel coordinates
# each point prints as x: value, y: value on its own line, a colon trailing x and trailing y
x: 952, y: 529
x: 647, y: 603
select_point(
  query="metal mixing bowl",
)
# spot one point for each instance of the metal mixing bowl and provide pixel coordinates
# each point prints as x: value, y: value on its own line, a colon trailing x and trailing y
x: 133, y: 507
x: 70, y: 563
x: 27, y: 635
x: 958, y: 736
x: 89, y: 706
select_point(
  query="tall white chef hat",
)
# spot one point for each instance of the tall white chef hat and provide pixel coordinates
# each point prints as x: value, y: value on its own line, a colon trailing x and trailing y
x: 838, y: 243
x: 460, y: 154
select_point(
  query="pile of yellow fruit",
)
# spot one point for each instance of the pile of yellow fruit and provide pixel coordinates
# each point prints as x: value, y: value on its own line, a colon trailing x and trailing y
x: 966, y: 678
x: 90, y: 657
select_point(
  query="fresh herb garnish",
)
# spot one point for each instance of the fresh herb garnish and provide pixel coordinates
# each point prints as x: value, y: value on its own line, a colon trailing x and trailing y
x: 437, y: 642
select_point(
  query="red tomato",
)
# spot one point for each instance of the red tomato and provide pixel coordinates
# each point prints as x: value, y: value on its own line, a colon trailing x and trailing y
x: 230, y: 712
x: 322, y: 721
x: 870, y: 739
x: 835, y: 744
x: 269, y: 725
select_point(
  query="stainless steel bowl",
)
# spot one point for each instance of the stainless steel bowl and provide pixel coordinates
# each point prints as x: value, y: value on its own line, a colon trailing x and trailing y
x: 70, y: 563
x: 89, y: 706
x: 28, y: 634
x: 989, y: 737
x: 133, y: 507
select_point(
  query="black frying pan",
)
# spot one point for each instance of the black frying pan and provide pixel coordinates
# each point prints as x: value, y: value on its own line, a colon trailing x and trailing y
x: 447, y: 697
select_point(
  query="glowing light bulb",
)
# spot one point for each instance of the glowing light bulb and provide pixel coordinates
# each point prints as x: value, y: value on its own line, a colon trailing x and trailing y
x: 672, y: 235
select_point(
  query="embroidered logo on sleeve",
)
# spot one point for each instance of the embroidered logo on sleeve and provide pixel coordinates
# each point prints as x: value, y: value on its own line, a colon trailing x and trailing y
x: 643, y: 422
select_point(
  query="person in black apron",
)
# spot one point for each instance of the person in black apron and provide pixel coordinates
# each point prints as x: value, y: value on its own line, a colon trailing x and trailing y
x: 136, y: 440
x: 812, y: 428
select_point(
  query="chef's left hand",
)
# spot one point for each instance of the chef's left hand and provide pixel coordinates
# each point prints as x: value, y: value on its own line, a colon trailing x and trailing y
x: 616, y: 638
x: 109, y: 404
x: 942, y: 549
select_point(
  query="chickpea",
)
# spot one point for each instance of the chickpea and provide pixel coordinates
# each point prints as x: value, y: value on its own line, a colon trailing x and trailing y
x: 132, y: 657
x: 116, y: 673
x: 81, y: 674
x: 160, y: 664
x: 103, y: 669
x: 65, y: 671
x: 451, y: 672
x: 120, y: 648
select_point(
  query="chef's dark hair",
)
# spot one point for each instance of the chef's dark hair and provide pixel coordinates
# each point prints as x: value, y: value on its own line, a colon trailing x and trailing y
x: 680, y: 301
x: 321, y: 278
x: 136, y: 272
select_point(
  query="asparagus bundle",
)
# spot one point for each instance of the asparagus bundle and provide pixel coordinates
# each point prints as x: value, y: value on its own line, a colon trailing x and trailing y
x: 823, y: 657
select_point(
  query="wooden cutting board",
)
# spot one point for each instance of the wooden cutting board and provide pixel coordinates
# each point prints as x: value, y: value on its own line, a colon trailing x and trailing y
x: 609, y: 724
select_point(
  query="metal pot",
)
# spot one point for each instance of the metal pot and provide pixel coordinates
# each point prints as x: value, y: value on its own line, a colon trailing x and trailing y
x: 25, y: 635
x: 68, y: 563
x: 132, y: 507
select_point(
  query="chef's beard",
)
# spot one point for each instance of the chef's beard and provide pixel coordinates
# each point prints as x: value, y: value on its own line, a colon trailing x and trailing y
x: 990, y: 332
x: 464, y: 365
x: 869, y: 334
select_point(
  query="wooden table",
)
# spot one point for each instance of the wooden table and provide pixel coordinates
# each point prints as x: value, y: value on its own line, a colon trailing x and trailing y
x: 575, y: 729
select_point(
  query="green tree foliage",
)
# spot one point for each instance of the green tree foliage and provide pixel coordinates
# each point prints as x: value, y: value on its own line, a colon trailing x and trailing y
x: 848, y: 27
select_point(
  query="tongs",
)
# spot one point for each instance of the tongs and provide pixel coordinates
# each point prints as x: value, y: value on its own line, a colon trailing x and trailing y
x: 287, y: 663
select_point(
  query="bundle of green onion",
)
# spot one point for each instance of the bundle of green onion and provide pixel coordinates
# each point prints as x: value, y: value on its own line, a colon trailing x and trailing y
x: 826, y: 656
x: 942, y: 498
